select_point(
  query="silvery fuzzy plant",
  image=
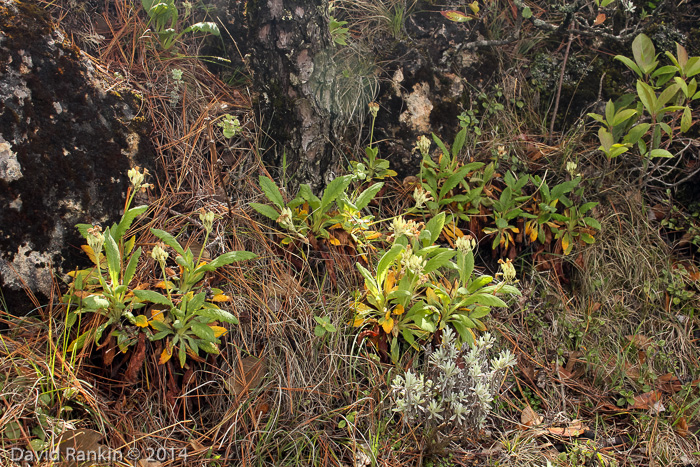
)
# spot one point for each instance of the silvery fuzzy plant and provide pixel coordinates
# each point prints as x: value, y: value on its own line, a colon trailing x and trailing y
x: 455, y: 393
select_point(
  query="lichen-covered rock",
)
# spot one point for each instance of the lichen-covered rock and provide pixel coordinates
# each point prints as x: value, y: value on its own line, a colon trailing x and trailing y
x: 65, y: 147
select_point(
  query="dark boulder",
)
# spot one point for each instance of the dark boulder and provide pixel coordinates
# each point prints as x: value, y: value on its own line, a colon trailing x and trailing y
x: 66, y: 143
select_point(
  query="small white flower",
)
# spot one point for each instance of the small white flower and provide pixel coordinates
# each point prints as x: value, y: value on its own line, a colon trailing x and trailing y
x: 421, y: 197
x: 465, y: 243
x: 423, y: 145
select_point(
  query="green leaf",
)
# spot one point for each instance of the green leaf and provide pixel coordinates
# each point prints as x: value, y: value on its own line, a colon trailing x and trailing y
x: 458, y: 143
x: 438, y: 261
x: 434, y: 226
x: 153, y: 297
x: 680, y: 82
x: 370, y: 282
x: 333, y: 190
x: 265, y: 210
x: 127, y: 220
x: 205, y: 27
x: 202, y: 331
x: 269, y: 187
x: 692, y: 68
x: 606, y: 140
x: 644, y: 53
x: 647, y: 96
x: 168, y: 240
x: 527, y: 12
x: 114, y: 259
x: 630, y: 64
x: 453, y: 180
x: 308, y: 195
x: 214, y: 313
x: 368, y: 195
x: 660, y: 153
x: 610, y: 112
x: 230, y: 257
x: 483, y: 299
x: 195, y: 304
x: 386, y: 261
x: 131, y: 266
x: 636, y: 132
x: 686, y: 120
x: 478, y: 283
x: 596, y: 117
x: 182, y: 354
x: 623, y: 116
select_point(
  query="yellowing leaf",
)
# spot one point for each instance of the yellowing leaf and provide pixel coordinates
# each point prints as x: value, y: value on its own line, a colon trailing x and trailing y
x: 371, y: 235
x: 218, y: 330
x: 357, y: 322
x: 336, y: 226
x: 165, y: 285
x: 456, y: 16
x: 431, y: 296
x: 565, y: 243
x: 362, y: 308
x: 221, y: 298
x: 88, y: 251
x: 141, y: 321
x: 389, y: 281
x: 474, y: 6
x: 165, y: 355
x: 333, y: 241
x: 157, y: 315
x: 399, y: 310
x: 387, y: 325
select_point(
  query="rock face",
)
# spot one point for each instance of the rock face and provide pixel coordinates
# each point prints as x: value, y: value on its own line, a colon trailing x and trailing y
x: 65, y: 147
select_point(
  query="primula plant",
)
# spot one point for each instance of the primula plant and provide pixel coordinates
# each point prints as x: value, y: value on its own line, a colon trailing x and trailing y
x: 420, y: 287
x: 453, y: 395
x: 185, y: 316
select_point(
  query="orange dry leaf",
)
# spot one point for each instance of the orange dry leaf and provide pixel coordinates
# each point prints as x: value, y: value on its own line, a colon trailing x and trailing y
x: 529, y: 417
x: 576, y: 428
x: 648, y: 401
x: 599, y: 19
x: 165, y: 355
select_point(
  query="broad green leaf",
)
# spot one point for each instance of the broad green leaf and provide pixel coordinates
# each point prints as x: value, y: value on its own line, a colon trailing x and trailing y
x: 153, y: 297
x: 205, y: 27
x: 483, y: 299
x: 269, y: 187
x: 168, y: 240
x: 214, y: 313
x: 478, y: 283
x: 623, y: 116
x: 666, y: 95
x: 596, y: 117
x: 458, y: 143
x: 370, y: 282
x: 610, y: 113
x: 368, y: 195
x: 680, y: 82
x: 592, y: 223
x: 606, y: 140
x: 527, y: 12
x: 114, y: 259
x: 660, y: 153
x: 647, y: 96
x: 644, y: 53
x: 686, y: 120
x: 266, y: 210
x: 692, y: 68
x: 630, y: 64
x: 306, y: 194
x: 127, y: 220
x: 231, y: 257
x: 202, y: 331
x: 333, y: 190
x: 636, y: 132
x: 453, y: 180
x: 441, y: 145
x: 131, y: 266
x: 386, y: 261
x: 434, y: 226
x: 438, y: 261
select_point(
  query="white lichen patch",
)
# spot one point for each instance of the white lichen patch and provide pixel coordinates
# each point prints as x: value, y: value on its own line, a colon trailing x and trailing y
x: 57, y: 107
x: 10, y: 169
x: 16, y: 204
x: 418, y: 108
x: 28, y: 268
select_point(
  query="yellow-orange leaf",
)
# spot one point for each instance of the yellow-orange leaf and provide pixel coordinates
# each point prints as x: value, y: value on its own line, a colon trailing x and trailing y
x: 357, y: 322
x: 361, y: 307
x: 371, y: 235
x: 387, y: 325
x: 165, y: 355
x: 333, y: 241
x: 399, y: 309
x: 141, y: 321
x: 389, y: 281
x: 157, y: 315
x: 221, y: 298
x: 432, y: 297
x: 88, y: 251
x: 565, y: 244
x: 218, y: 330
